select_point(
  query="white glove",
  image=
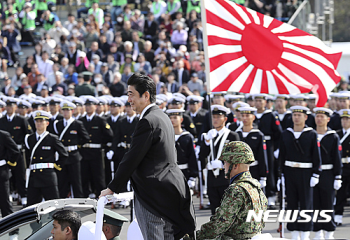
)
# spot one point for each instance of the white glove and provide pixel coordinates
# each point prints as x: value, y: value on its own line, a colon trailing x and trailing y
x: 262, y: 182
x: 211, y: 134
x: 217, y: 164
x: 337, y: 184
x: 197, y: 150
x: 276, y: 153
x: 314, y: 180
x: 110, y: 154
x: 281, y: 181
x: 191, y: 182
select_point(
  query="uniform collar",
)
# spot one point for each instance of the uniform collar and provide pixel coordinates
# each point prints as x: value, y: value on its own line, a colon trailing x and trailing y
x: 41, y: 135
x: 10, y: 118
x: 91, y: 117
x: 236, y: 176
x: 131, y: 119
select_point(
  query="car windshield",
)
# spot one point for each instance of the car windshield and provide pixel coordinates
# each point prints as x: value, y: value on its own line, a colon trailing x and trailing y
x: 40, y: 230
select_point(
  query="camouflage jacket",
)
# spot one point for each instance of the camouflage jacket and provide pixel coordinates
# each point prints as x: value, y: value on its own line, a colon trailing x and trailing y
x: 229, y: 221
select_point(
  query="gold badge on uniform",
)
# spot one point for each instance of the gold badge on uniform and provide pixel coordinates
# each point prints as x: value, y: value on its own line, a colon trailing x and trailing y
x: 38, y: 114
x: 191, y: 125
x: 29, y: 127
x: 107, y: 126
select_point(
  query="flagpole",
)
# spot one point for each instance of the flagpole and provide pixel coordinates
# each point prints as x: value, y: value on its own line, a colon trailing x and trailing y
x: 206, y: 56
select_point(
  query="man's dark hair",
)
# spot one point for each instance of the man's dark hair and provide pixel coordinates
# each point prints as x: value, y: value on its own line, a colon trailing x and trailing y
x: 142, y: 84
x: 68, y: 218
x: 114, y: 229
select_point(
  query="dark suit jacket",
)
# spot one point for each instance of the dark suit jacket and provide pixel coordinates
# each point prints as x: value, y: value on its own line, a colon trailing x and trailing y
x: 9, y: 152
x: 98, y: 52
x: 151, y: 165
x: 17, y: 128
x: 174, y: 87
x: 185, y: 76
x: 150, y: 29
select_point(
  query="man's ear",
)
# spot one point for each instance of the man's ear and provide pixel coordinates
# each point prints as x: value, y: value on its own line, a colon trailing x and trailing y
x: 147, y: 95
x: 68, y: 230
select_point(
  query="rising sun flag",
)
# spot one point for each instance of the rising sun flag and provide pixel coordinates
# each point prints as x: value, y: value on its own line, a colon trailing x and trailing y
x: 249, y: 52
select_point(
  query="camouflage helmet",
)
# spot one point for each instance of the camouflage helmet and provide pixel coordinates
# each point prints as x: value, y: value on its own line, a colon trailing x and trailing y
x: 237, y: 152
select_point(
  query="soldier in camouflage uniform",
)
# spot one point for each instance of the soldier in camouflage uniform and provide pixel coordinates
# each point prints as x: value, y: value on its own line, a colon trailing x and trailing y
x: 243, y: 194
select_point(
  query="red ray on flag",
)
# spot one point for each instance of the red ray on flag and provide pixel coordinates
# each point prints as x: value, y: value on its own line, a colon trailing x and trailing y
x: 252, y: 53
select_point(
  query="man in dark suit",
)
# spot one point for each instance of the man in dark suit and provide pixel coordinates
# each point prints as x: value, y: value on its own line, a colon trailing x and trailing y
x: 181, y: 75
x: 71, y: 133
x: 166, y: 212
x: 94, y: 50
x: 151, y: 27
x: 17, y: 127
x: 100, y: 132
x: 41, y: 147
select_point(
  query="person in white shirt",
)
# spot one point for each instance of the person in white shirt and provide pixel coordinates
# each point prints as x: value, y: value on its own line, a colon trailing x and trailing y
x: 51, y: 79
x: 45, y: 65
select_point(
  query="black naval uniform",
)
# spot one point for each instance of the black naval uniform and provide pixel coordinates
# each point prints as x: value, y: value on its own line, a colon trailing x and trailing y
x: 9, y: 154
x: 50, y: 128
x: 324, y: 192
x: 122, y: 139
x: 335, y: 122
x: 299, y: 159
x: 256, y: 141
x: 75, y: 135
x: 342, y: 192
x: 31, y: 121
x: 310, y: 121
x: 186, y: 157
x: 43, y: 178
x: 270, y: 126
x: 17, y: 128
x: 188, y: 124
x: 114, y: 125
x: 198, y: 119
x: 100, y: 132
x: 285, y: 119
x: 231, y: 117
x: 215, y: 185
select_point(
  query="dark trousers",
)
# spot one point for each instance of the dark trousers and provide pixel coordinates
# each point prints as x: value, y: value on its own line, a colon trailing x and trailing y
x: 271, y: 175
x: 19, y: 177
x: 5, y: 204
x: 70, y: 176
x: 324, y: 198
x: 299, y: 194
x: 36, y: 194
x: 215, y: 195
x: 342, y: 195
x: 92, y: 172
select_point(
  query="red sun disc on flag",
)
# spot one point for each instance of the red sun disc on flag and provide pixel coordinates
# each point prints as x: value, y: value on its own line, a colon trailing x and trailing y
x: 250, y: 52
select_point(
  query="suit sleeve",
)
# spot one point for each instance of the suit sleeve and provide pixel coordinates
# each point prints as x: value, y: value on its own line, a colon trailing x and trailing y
x: 107, y: 131
x: 336, y: 156
x: 12, y: 151
x: 262, y: 157
x: 83, y: 134
x: 62, y: 152
x: 316, y: 155
x: 140, y: 145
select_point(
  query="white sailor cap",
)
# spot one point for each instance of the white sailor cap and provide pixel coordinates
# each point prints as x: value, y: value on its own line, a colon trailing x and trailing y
x: 180, y: 95
x: 344, y: 113
x: 158, y: 101
x: 248, y: 96
x: 237, y: 105
x: 323, y: 110
x: 2, y: 103
x: 343, y: 95
x: 107, y: 97
x: 81, y: 54
x: 36, y: 103
x: 333, y: 95
x: 11, y: 101
x: 282, y: 96
x: 116, y: 102
x: 23, y: 104
x: 176, y: 100
x: 230, y: 97
x: 311, y: 96
x: 53, y: 100
x: 260, y: 96
x: 124, y: 99
x: 77, y: 101
x: 67, y: 105
x: 219, y: 109
x: 162, y: 97
x: 102, y: 101
x: 299, y: 97
x: 175, y: 112
x: 192, y: 99
x: 213, y: 94
x: 90, y: 100
x: 301, y: 109
x: 248, y: 110
x: 42, y: 115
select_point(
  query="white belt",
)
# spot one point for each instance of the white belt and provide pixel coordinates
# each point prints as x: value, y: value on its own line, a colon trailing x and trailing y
x: 2, y: 163
x: 345, y: 160
x: 267, y: 138
x: 124, y: 145
x: 92, y: 145
x: 183, y: 166
x: 41, y: 166
x: 327, y: 166
x: 71, y: 148
x: 298, y: 164
x: 109, y: 144
x: 256, y: 163
x: 19, y: 147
